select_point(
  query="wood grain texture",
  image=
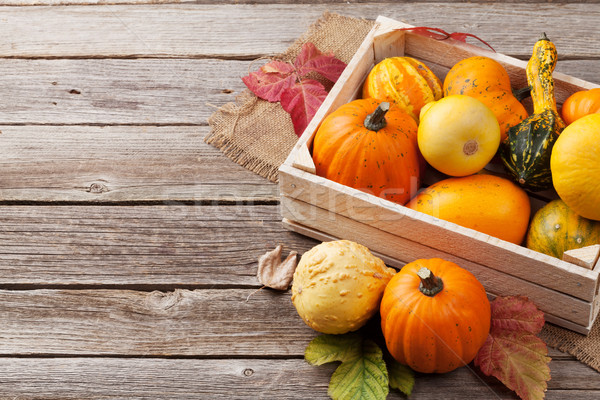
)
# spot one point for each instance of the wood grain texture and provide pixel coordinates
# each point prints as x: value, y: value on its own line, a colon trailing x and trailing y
x: 150, y: 378
x: 120, y: 164
x: 140, y: 91
x: 108, y: 103
x: 209, y: 2
x: 108, y: 91
x: 201, y: 322
x: 173, y: 30
x: 148, y: 246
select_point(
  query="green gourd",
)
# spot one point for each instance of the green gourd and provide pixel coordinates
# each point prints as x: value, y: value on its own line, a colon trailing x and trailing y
x: 555, y: 228
x: 526, y: 151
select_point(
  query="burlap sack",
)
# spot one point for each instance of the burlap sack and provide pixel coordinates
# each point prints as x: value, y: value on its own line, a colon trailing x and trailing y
x: 585, y: 348
x: 259, y: 135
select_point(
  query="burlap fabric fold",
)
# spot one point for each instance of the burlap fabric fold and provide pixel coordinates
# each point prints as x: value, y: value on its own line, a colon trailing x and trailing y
x: 259, y: 135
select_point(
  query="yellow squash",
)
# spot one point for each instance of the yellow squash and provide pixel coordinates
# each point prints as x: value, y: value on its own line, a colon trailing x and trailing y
x: 575, y: 166
x: 458, y: 135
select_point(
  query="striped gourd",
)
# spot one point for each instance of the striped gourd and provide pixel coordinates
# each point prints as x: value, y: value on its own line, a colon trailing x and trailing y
x: 407, y: 82
x: 526, y: 152
x: 555, y: 228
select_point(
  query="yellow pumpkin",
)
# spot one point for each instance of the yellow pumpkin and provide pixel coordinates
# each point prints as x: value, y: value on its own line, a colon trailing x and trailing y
x: 458, y: 135
x: 575, y: 166
x: 407, y: 82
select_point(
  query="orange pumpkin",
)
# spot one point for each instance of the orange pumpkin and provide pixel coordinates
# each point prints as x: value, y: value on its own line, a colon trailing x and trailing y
x: 486, y: 80
x: 435, y: 316
x: 485, y: 203
x: 405, y: 81
x: 370, y: 147
x: 580, y: 104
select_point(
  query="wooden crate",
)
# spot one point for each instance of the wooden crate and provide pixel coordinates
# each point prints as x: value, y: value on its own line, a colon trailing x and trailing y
x: 326, y: 210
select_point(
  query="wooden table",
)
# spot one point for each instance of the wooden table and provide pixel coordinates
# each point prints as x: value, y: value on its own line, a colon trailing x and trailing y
x: 128, y: 246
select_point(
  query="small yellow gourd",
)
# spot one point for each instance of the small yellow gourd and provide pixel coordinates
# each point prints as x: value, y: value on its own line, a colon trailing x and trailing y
x: 458, y: 135
x: 338, y: 286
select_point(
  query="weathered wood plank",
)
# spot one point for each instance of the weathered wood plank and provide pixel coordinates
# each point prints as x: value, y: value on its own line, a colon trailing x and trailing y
x: 202, y: 322
x: 196, y: 29
x: 121, y: 164
x: 107, y: 91
x: 150, y: 378
x: 216, y: 323
x: 211, y: 2
x: 77, y: 378
x: 140, y: 91
x: 148, y: 246
x: 199, y: 323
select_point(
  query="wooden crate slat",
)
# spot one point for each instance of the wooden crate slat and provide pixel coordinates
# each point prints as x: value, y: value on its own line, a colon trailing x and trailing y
x: 496, y: 282
x: 585, y: 257
x: 451, y: 238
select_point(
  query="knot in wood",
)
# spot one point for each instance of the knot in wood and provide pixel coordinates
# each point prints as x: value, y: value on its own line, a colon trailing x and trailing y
x: 248, y: 371
x: 163, y: 301
x: 97, y: 188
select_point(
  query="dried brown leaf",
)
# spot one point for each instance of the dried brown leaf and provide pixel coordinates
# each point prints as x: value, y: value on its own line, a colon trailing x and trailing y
x: 274, y: 273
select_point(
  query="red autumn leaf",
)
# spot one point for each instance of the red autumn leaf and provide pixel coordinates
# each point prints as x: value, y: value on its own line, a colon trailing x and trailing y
x: 278, y: 81
x: 310, y: 59
x: 463, y: 38
x: 440, y: 34
x: 517, y: 313
x: 435, y: 33
x: 270, y: 80
x: 512, y: 352
x: 517, y: 359
x: 302, y: 101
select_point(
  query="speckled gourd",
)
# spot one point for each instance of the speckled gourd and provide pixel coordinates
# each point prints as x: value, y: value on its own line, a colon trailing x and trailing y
x: 526, y: 151
x: 338, y: 286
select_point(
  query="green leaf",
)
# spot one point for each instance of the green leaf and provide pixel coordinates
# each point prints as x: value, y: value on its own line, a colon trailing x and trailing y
x: 401, y: 376
x: 329, y: 348
x: 363, y: 377
x: 362, y: 373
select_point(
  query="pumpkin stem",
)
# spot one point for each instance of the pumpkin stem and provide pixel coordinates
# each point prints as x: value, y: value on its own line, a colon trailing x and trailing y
x: 376, y: 120
x: 430, y: 284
